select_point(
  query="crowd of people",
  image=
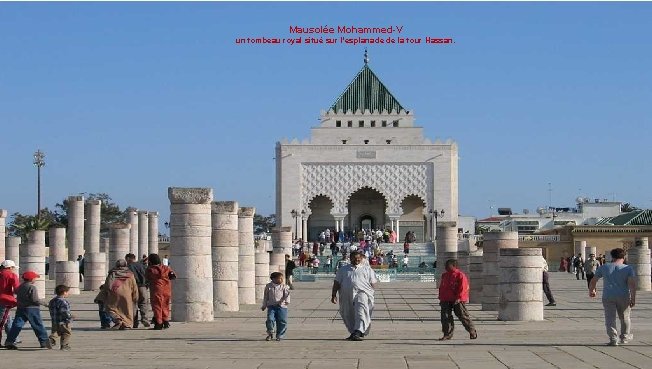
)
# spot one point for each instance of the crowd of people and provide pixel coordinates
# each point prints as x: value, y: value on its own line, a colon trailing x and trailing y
x: 131, y: 286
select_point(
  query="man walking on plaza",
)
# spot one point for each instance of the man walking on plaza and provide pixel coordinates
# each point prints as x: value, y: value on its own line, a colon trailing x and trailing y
x: 546, y: 284
x: 138, y: 269
x: 290, y: 266
x: 590, y: 266
x: 453, y: 295
x: 355, y: 284
x: 618, y: 296
x: 579, y: 266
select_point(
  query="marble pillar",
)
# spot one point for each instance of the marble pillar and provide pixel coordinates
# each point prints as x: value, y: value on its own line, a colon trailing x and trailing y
x: 119, y: 242
x: 304, y: 228
x: 639, y: 258
x: 75, y: 230
x: 92, y: 226
x: 143, y: 234
x: 491, y: 245
x: 520, y: 297
x: 246, y: 256
x: 281, y: 245
x: 104, y: 248
x: 580, y: 248
x: 446, y: 237
x: 262, y: 269
x: 94, y: 270
x: 475, y: 278
x: 3, y: 232
x: 190, y: 254
x: 68, y: 275
x: 132, y: 219
x: 12, y: 247
x: 58, y: 252
x: 32, y: 258
x: 225, y: 251
x: 588, y: 250
x: 152, y: 221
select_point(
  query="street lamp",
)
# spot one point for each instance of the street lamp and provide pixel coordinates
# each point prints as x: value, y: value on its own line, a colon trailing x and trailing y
x: 435, y: 215
x: 295, y: 215
x: 39, y: 162
x: 303, y: 216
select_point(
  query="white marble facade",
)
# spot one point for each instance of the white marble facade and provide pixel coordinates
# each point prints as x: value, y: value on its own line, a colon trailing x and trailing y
x: 368, y: 165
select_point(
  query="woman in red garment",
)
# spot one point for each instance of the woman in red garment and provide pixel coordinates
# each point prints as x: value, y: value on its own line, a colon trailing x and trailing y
x: 160, y: 290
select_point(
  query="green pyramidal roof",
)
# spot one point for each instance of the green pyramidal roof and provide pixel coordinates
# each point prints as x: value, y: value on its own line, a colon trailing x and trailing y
x: 366, y: 92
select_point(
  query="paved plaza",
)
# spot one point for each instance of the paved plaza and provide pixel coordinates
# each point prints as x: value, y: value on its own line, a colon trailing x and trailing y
x: 404, y: 335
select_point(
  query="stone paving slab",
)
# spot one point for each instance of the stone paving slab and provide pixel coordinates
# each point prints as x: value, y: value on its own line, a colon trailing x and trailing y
x: 404, y: 335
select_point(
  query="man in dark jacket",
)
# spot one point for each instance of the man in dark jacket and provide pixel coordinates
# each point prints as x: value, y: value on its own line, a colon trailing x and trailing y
x: 139, y: 274
x: 290, y: 265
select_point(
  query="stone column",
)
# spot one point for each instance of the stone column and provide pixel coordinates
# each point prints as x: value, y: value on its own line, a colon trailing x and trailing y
x: 12, y: 247
x: 119, y: 242
x: 143, y: 234
x: 152, y: 221
x: 68, y: 275
x: 3, y: 232
x: 475, y: 279
x: 190, y: 254
x: 75, y: 227
x: 92, y: 226
x: 225, y: 250
x: 132, y: 219
x: 304, y: 228
x: 104, y: 248
x: 493, y: 242
x: 246, y: 258
x: 463, y: 262
x: 588, y: 250
x: 262, y: 269
x: 446, y: 237
x: 57, y: 247
x: 639, y: 258
x: 580, y: 248
x: 520, y: 285
x: 32, y: 258
x: 282, y: 244
x: 94, y: 270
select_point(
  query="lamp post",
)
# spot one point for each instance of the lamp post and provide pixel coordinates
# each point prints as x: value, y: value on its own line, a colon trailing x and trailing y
x: 303, y: 216
x: 39, y: 162
x: 435, y: 214
x: 295, y: 214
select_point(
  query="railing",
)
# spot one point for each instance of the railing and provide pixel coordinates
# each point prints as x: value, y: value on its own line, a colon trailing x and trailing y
x: 383, y: 274
x: 164, y: 239
x: 540, y: 238
x: 472, y: 237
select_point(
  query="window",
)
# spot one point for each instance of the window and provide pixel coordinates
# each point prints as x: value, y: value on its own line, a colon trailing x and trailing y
x: 361, y: 123
x: 350, y: 123
x: 366, y: 142
x: 388, y: 141
x: 373, y: 123
x: 343, y: 142
x: 395, y: 123
x: 338, y: 123
x: 384, y: 123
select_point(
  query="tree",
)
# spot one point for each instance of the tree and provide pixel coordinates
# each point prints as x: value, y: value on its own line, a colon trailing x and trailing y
x: 20, y: 225
x: 264, y: 224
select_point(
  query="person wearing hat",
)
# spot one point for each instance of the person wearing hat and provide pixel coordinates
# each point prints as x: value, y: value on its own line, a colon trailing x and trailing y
x: 28, y: 302
x: 8, y: 284
x: 590, y: 266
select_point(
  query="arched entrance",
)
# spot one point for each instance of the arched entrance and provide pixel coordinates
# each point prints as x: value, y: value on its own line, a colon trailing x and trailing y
x: 412, y: 218
x: 320, y: 217
x: 366, y: 208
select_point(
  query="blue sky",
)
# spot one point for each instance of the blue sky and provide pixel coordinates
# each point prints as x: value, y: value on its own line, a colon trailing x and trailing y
x: 130, y: 98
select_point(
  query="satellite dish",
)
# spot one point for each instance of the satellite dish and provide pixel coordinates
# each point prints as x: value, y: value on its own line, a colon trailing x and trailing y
x: 580, y: 200
x: 541, y: 211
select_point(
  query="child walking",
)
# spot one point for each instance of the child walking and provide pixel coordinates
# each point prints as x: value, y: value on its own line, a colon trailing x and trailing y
x: 28, y: 303
x: 61, y: 318
x: 276, y: 300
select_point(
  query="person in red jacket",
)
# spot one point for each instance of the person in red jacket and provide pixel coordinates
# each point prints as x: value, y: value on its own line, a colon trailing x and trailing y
x: 453, y: 294
x: 160, y: 290
x: 9, y: 282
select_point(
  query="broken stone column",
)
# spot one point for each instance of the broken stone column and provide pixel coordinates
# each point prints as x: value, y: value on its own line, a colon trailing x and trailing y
x: 580, y: 248
x: 152, y: 243
x: 94, y: 270
x: 132, y: 219
x: 588, y: 250
x: 446, y: 237
x: 190, y: 254
x: 475, y: 278
x: 463, y: 262
x: 92, y: 226
x: 520, y: 284
x: 68, y: 275
x: 119, y: 242
x: 246, y: 258
x: 639, y: 258
x: 143, y: 234
x: 225, y: 251
x: 58, y: 252
x: 12, y: 247
x: 492, y: 243
x: 3, y: 232
x: 104, y: 248
x: 282, y: 245
x: 75, y: 230
x: 32, y: 258
x: 262, y: 269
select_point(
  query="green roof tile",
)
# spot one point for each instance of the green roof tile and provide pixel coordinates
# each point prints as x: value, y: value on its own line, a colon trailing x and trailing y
x: 366, y: 92
x: 636, y: 217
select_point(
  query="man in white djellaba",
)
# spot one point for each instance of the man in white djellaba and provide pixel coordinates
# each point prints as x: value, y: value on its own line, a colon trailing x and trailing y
x: 354, y: 283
